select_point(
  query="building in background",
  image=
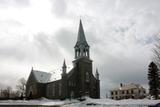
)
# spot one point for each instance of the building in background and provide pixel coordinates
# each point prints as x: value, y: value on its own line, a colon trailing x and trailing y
x: 129, y: 91
x: 78, y: 82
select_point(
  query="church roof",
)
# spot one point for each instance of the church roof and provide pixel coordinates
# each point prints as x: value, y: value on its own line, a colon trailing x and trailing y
x: 41, y: 77
x: 81, y: 36
x: 71, y: 72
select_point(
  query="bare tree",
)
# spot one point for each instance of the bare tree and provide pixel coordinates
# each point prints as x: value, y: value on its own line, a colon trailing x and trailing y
x: 156, y: 51
x: 5, y: 93
x: 9, y: 90
x: 21, y: 86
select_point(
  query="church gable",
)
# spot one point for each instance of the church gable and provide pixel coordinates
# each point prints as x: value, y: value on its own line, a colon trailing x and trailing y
x: 31, y: 78
x: 31, y: 85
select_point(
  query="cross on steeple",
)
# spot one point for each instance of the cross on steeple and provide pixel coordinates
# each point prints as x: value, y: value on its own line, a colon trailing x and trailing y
x: 81, y: 47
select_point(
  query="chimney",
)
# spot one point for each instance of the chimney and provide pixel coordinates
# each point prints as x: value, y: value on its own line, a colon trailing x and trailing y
x: 121, y: 85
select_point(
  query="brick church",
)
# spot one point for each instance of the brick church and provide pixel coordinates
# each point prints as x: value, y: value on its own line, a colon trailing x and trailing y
x: 79, y: 81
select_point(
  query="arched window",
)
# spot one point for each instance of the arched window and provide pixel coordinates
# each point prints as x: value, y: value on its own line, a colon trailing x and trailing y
x: 84, y: 52
x: 53, y: 89
x: 79, y: 52
x: 60, y: 86
x: 87, y: 77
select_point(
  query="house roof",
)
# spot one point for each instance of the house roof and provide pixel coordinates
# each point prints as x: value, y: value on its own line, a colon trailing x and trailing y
x: 129, y: 86
x: 41, y: 77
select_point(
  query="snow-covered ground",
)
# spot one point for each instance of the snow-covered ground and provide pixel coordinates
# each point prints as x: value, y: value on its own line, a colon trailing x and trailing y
x: 114, y: 103
x: 42, y: 101
x: 87, y: 103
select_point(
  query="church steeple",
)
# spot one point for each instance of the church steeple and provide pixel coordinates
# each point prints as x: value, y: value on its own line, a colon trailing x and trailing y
x: 81, y: 47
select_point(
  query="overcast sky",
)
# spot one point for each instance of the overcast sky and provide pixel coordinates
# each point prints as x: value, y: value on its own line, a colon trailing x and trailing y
x: 41, y: 33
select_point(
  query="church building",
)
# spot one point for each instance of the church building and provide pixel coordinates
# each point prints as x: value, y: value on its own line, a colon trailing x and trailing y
x: 78, y: 82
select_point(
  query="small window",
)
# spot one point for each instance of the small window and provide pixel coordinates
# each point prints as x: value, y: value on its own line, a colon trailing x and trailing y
x: 116, y: 92
x: 131, y: 91
x: 139, y: 91
x: 87, y: 77
x: 122, y: 92
x: 144, y: 91
x: 111, y: 93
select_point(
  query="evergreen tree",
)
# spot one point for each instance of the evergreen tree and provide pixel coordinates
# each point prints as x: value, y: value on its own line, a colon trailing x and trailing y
x: 156, y: 50
x: 154, y: 80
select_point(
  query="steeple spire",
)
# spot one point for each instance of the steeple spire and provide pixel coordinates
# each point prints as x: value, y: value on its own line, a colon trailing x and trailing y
x: 81, y: 36
x: 81, y: 47
x: 64, y: 67
x: 32, y: 68
x: 64, y: 64
x: 97, y: 74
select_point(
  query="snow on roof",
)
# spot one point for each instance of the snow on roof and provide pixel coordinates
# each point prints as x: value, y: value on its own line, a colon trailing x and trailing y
x: 54, y: 77
x: 129, y: 86
x: 42, y: 77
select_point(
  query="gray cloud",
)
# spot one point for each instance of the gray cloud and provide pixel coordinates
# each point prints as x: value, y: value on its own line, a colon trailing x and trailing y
x: 59, y: 7
x: 22, y: 48
x: 11, y: 22
x: 66, y: 39
x: 46, y: 45
x: 14, y: 3
x: 2, y: 86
